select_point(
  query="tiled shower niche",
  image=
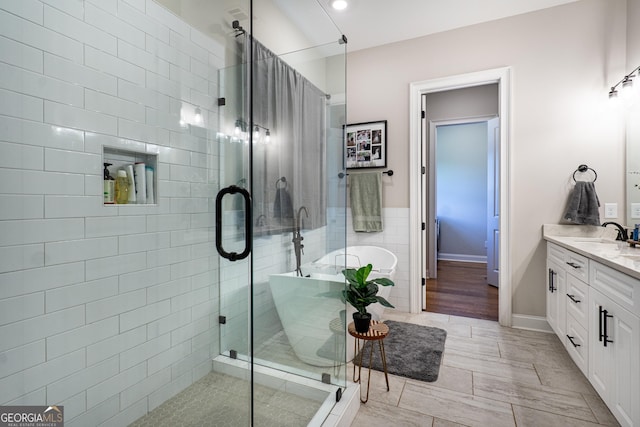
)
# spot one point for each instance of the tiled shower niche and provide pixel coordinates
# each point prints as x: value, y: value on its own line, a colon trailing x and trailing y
x: 120, y: 159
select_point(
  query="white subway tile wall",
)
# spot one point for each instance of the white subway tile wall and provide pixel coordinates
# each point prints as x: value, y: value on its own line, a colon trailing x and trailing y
x: 107, y: 310
x: 394, y: 238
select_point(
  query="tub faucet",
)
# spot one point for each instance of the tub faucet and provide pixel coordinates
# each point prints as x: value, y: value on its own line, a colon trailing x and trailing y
x: 622, y: 232
x: 297, y: 240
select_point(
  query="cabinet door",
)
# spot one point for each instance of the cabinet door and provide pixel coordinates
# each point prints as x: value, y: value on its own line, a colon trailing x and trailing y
x: 614, y: 368
x: 625, y: 333
x: 600, y: 356
x: 556, y: 295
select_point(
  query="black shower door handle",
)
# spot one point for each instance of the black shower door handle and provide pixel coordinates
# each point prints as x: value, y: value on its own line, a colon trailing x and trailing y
x: 234, y: 256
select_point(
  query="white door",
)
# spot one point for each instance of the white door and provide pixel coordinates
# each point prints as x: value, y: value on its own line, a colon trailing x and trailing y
x: 493, y: 202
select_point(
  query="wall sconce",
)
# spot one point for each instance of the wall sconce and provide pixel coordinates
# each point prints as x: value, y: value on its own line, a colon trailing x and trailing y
x: 626, y: 82
x: 197, y: 117
x: 256, y: 133
x: 241, y: 127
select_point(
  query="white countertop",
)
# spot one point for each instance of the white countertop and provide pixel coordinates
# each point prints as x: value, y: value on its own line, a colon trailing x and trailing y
x: 596, y: 243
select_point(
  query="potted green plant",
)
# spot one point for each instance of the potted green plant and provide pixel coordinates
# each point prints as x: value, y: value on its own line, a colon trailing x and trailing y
x: 361, y: 292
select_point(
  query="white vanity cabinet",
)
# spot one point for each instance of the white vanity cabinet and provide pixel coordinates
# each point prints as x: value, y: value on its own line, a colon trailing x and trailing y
x: 595, y: 311
x: 614, y: 330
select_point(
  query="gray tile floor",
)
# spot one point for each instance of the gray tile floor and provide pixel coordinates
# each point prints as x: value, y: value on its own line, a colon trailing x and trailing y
x: 490, y: 376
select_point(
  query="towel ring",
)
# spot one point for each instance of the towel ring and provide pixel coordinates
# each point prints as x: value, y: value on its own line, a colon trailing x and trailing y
x: 584, y: 168
x: 283, y: 179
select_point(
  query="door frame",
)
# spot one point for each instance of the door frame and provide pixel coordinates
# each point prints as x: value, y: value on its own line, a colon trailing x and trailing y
x: 501, y: 76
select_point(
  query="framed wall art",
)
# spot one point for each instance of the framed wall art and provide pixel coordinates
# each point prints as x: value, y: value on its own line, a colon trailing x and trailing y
x: 366, y: 145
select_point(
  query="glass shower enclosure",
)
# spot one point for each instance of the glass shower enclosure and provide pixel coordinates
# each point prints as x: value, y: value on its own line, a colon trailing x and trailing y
x: 169, y: 204
x: 281, y: 205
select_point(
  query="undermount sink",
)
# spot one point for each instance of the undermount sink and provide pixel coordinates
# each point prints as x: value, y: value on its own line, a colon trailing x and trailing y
x: 594, y: 240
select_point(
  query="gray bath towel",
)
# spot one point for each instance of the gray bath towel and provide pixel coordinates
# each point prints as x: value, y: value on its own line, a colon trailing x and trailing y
x: 366, y: 201
x: 583, y: 204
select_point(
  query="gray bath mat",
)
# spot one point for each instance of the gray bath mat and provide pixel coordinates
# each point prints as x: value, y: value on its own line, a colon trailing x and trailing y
x: 413, y: 351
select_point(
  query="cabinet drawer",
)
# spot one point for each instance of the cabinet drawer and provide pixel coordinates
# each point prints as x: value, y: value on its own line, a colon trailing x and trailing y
x: 576, y: 296
x: 623, y: 289
x: 577, y: 344
x: 574, y: 264
x: 556, y: 253
x: 578, y: 266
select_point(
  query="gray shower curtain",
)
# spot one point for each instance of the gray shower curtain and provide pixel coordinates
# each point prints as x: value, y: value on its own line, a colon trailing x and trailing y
x: 294, y: 111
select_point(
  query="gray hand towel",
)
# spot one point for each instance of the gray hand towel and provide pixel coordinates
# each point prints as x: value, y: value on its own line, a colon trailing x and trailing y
x: 583, y: 204
x: 366, y: 201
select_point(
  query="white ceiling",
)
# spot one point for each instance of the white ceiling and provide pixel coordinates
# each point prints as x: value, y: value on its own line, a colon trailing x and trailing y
x: 368, y: 23
x: 365, y: 23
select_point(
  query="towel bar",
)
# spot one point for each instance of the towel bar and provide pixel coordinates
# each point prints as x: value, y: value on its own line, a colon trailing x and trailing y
x: 389, y: 172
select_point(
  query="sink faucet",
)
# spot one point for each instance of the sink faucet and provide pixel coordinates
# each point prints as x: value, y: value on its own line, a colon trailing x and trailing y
x: 297, y: 240
x: 622, y: 232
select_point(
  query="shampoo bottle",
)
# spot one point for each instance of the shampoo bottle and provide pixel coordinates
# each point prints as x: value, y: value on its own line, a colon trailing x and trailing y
x: 109, y: 185
x: 149, y: 178
x: 132, y: 185
x: 141, y: 186
x: 122, y: 187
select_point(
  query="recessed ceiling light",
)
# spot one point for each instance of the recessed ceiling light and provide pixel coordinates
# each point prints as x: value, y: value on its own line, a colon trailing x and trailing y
x: 339, y: 4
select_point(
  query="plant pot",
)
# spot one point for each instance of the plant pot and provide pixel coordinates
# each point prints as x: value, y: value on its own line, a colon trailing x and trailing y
x: 361, y: 322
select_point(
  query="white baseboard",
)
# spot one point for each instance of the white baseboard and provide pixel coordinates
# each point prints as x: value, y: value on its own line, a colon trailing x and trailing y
x: 532, y: 323
x: 461, y: 257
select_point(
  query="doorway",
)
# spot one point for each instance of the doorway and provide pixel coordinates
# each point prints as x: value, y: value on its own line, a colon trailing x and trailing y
x: 418, y: 180
x: 460, y: 195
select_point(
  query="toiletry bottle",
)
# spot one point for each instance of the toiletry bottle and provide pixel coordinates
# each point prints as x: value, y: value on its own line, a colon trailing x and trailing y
x: 141, y: 186
x: 109, y: 185
x: 149, y: 180
x: 122, y: 187
x: 132, y: 184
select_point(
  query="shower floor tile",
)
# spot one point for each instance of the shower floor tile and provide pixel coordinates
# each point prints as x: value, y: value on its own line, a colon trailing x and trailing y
x: 222, y: 400
x: 278, y: 350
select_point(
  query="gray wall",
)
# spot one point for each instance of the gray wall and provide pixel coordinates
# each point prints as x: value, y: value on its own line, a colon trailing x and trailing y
x: 553, y: 123
x: 463, y: 103
x: 461, y: 188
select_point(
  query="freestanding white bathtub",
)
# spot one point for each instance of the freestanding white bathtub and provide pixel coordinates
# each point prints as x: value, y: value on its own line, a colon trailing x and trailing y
x: 384, y: 265
x: 308, y: 305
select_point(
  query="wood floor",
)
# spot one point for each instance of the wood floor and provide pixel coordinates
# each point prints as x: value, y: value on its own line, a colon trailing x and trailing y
x: 461, y: 289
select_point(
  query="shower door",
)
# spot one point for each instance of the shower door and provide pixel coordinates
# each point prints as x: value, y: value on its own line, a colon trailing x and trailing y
x: 281, y: 207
